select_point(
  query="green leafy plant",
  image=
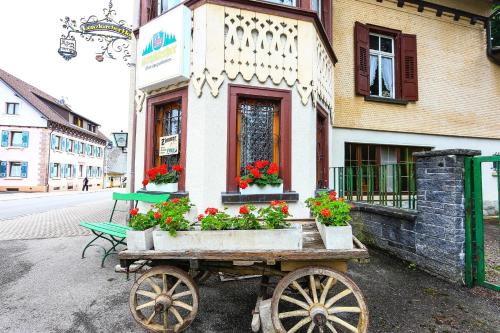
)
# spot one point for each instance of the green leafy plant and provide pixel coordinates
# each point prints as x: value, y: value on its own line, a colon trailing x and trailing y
x: 216, y: 220
x: 161, y: 175
x: 247, y: 220
x: 330, y: 210
x: 261, y: 173
x: 140, y: 222
x: 173, y: 215
x: 275, y: 215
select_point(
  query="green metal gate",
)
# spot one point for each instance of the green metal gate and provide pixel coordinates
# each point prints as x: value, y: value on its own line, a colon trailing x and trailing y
x: 482, y: 233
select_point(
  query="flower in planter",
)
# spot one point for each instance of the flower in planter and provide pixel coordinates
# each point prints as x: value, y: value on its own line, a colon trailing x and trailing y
x: 244, y: 210
x: 134, y: 211
x: 261, y: 173
x: 141, y: 222
x: 145, y: 182
x: 330, y: 210
x: 275, y: 215
x: 161, y: 175
x: 211, y: 211
x: 157, y: 215
x: 200, y: 217
x: 172, y: 215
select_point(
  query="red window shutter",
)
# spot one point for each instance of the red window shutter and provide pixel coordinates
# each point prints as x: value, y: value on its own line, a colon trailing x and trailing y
x: 326, y: 17
x: 362, y: 61
x: 409, y: 72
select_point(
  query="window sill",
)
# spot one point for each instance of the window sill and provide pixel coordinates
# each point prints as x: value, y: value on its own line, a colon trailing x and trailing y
x: 13, y: 178
x: 237, y: 198
x: 386, y: 100
x: 15, y: 147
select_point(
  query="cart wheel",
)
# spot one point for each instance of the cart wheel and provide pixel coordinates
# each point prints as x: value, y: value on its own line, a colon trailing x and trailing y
x: 334, y: 304
x: 164, y: 299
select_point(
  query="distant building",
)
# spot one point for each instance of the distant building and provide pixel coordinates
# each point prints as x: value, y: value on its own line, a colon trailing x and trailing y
x: 45, y: 146
x: 115, y: 169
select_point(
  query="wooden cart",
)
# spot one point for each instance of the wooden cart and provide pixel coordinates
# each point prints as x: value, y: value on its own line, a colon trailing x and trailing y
x: 312, y: 293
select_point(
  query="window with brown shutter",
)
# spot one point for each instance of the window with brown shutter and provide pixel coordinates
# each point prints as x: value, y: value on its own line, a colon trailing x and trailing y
x: 362, y: 35
x: 409, y: 89
x: 395, y: 56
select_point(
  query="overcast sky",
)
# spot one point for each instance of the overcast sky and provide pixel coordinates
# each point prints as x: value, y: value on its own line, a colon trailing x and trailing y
x: 29, y: 37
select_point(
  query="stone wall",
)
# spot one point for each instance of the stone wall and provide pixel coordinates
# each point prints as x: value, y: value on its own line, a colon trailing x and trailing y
x: 433, y: 236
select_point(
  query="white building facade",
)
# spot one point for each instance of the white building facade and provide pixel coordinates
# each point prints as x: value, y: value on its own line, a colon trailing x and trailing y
x: 45, y: 146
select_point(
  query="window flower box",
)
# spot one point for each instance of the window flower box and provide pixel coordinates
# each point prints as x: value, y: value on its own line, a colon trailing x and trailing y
x: 267, y: 189
x: 230, y: 240
x: 140, y: 240
x: 335, y: 237
x: 168, y: 187
x: 161, y: 180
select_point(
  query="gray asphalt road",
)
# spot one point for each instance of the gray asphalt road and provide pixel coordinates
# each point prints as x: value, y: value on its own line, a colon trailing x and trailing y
x: 46, y: 287
x: 14, y: 208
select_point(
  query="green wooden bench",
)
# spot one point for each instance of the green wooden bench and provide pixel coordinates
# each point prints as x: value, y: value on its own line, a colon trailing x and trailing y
x: 116, y: 233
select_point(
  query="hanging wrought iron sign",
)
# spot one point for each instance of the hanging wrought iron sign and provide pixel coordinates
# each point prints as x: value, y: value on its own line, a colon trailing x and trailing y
x: 113, y: 36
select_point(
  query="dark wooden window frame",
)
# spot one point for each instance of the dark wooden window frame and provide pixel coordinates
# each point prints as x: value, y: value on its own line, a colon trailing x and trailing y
x: 152, y: 103
x: 326, y: 124
x: 285, y: 144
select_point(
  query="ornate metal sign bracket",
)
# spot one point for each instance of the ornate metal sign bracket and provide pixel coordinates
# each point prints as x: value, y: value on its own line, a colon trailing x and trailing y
x: 113, y: 36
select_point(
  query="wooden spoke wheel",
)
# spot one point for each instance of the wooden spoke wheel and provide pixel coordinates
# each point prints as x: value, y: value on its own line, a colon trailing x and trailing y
x: 164, y: 299
x: 318, y: 299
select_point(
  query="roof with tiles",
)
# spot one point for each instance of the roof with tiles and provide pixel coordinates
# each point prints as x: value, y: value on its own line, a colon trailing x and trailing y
x: 47, y: 105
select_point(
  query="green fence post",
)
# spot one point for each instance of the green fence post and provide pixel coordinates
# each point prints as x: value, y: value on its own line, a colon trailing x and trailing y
x: 469, y: 264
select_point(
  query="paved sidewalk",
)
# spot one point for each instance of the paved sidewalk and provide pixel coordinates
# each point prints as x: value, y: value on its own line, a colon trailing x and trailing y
x: 46, y: 287
x: 60, y: 222
x: 6, y: 196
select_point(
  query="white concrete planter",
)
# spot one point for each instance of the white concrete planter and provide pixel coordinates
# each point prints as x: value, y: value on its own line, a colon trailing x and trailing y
x: 336, y: 238
x: 277, y: 239
x: 168, y: 188
x: 268, y: 189
x: 140, y: 240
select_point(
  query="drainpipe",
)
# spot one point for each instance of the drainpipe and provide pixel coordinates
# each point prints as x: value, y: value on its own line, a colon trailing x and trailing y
x: 48, y: 162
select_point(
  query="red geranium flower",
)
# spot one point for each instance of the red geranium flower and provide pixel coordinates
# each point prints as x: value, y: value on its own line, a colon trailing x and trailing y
x: 175, y: 200
x: 244, y: 210
x: 134, y: 211
x: 333, y: 196
x: 255, y: 173
x: 284, y: 209
x: 157, y: 215
x: 238, y: 179
x: 211, y: 211
x: 273, y: 168
x: 249, y: 167
x: 162, y: 169
x: 261, y: 164
x: 326, y: 212
x: 243, y: 184
x: 318, y: 203
x: 165, y: 204
x: 201, y: 217
x: 153, y: 177
x: 168, y: 220
x: 178, y: 168
x: 145, y: 182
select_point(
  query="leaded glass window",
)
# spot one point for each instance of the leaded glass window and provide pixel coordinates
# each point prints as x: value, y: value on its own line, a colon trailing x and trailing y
x: 258, y: 125
x: 167, y: 122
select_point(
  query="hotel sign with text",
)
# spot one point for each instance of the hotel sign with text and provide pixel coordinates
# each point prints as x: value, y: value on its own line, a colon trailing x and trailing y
x: 163, y: 49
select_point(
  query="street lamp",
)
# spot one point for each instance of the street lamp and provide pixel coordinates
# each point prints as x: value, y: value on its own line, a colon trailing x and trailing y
x: 121, y: 140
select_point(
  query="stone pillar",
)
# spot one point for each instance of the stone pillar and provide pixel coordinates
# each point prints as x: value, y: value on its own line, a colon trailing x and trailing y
x: 440, y: 223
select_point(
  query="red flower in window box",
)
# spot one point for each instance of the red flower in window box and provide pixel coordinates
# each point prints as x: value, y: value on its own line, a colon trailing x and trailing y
x: 249, y: 167
x: 157, y: 215
x: 201, y: 217
x: 168, y: 220
x: 145, y: 182
x: 176, y: 200
x: 261, y: 164
x: 243, y: 184
x: 134, y: 211
x: 178, y: 168
x: 326, y: 212
x: 255, y: 173
x: 284, y: 209
x: 273, y: 169
x: 161, y: 175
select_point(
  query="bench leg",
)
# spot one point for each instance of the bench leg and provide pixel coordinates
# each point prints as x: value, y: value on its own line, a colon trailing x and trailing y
x: 90, y: 244
x: 112, y: 250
